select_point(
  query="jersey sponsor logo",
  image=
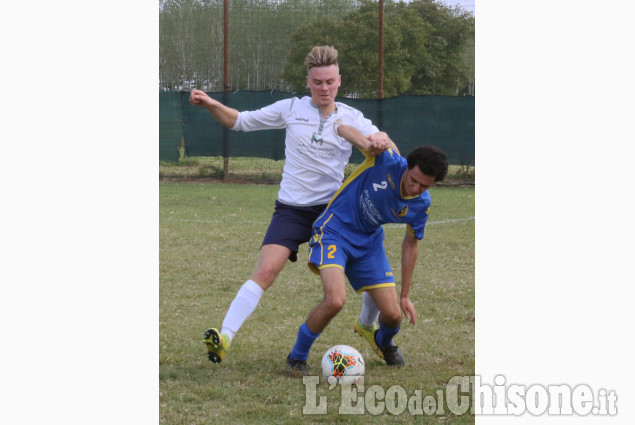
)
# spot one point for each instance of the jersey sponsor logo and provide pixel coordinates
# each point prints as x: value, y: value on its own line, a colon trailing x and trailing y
x: 390, y: 181
x: 403, y: 211
x: 395, y: 214
x: 369, y: 211
x: 388, y: 273
x: 317, y: 139
x: 301, y: 119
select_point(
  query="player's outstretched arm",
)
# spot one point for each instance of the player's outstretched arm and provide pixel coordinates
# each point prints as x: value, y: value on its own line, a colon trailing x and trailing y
x: 225, y: 115
x: 409, y: 252
x: 352, y: 135
x: 374, y: 146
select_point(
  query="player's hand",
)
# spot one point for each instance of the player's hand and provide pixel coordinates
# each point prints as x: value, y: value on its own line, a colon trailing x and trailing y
x: 380, y: 136
x: 379, y: 142
x: 199, y: 98
x: 409, y: 310
x: 375, y: 148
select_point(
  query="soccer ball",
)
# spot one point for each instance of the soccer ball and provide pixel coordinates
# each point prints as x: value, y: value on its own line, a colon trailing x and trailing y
x: 342, y: 364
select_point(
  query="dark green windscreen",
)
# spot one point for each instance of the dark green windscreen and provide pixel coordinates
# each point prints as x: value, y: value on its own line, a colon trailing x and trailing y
x: 410, y: 121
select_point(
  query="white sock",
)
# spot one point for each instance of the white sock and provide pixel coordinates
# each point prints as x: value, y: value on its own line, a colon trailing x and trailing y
x: 241, y: 308
x: 370, y: 312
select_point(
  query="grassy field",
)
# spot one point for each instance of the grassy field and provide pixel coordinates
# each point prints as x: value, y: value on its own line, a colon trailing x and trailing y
x: 210, y: 236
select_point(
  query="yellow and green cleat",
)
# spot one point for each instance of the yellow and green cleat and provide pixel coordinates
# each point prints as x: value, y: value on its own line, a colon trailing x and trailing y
x: 217, y: 345
x: 369, y: 334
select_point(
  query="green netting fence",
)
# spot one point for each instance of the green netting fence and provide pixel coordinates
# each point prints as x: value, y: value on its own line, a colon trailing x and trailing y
x: 444, y: 121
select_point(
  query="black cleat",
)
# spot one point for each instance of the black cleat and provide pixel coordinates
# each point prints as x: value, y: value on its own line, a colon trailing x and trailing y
x: 294, y: 366
x: 392, y: 355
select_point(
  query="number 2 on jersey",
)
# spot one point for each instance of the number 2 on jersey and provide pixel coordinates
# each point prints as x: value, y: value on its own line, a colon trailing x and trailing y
x: 332, y: 249
x: 383, y: 185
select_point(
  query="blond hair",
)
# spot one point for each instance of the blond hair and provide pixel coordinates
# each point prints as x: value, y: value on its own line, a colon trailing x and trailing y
x: 321, y: 56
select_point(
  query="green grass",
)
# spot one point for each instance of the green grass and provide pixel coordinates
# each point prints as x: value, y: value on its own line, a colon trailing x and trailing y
x: 210, y: 235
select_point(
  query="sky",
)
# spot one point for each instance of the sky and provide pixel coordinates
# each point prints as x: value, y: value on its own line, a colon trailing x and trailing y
x: 464, y: 4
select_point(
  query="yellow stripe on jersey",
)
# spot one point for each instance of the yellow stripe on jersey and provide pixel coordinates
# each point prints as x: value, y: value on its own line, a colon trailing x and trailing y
x: 313, y: 267
x: 379, y: 285
x: 411, y: 231
x: 319, y: 241
x: 368, y: 162
x: 316, y: 269
x: 326, y: 266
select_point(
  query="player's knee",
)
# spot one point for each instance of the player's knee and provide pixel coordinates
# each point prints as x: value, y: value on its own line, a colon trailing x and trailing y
x: 391, y: 317
x: 265, y: 274
x: 335, y: 303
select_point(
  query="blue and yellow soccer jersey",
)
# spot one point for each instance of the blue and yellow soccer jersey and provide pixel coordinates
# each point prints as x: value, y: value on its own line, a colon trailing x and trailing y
x: 349, y: 230
x: 372, y: 196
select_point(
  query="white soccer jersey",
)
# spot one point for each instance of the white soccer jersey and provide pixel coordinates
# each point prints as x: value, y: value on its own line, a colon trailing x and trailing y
x: 315, y: 155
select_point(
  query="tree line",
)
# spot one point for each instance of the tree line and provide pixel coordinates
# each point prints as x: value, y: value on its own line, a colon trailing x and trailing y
x: 428, y: 46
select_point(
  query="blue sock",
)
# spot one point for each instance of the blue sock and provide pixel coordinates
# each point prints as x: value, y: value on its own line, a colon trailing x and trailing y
x: 303, y: 344
x: 384, y: 335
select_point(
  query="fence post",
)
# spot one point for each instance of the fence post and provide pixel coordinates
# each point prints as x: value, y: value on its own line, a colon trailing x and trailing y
x: 380, y: 82
x: 380, y: 88
x: 225, y: 86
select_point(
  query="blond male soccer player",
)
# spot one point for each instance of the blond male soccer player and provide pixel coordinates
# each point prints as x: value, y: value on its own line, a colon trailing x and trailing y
x: 348, y: 240
x: 313, y: 171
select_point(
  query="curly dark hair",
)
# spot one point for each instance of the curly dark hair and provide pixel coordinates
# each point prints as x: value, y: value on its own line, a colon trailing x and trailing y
x: 431, y: 161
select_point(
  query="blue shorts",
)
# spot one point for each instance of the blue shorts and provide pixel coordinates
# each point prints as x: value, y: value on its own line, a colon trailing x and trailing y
x: 362, y: 256
x: 291, y: 226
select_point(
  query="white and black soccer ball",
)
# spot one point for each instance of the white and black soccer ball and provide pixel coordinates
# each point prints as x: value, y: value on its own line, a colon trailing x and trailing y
x: 342, y: 364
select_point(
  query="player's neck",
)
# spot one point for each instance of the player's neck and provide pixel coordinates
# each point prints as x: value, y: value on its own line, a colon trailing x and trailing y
x: 328, y: 110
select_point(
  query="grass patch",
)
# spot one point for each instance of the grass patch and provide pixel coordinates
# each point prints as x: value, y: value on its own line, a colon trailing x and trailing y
x: 210, y: 235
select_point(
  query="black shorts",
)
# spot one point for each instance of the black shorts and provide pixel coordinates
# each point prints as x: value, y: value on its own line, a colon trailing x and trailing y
x: 291, y: 226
